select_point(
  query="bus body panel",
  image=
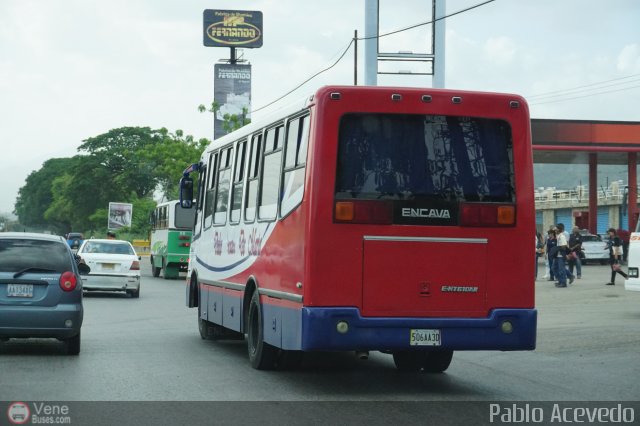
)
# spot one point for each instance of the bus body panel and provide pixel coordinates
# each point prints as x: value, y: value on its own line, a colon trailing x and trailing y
x: 633, y: 282
x: 384, y: 280
x: 169, y: 242
x: 509, y: 277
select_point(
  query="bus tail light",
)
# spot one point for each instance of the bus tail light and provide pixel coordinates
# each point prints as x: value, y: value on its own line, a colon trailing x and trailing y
x: 373, y: 212
x: 68, y: 281
x: 135, y: 266
x: 185, y: 244
x: 184, y: 237
x: 473, y: 214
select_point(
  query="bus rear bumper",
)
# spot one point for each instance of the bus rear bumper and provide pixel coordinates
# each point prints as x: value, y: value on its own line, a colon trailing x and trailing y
x: 319, y: 331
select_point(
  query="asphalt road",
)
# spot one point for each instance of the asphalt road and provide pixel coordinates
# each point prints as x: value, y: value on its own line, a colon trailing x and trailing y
x: 149, y: 349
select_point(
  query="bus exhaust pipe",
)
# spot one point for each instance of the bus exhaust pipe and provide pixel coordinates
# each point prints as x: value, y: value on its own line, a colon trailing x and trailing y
x: 363, y: 355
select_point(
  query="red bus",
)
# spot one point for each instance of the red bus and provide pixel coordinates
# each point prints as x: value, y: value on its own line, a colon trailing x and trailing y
x: 369, y: 218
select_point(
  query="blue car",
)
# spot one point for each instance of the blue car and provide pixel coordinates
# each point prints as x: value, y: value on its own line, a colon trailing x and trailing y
x: 75, y: 240
x: 40, y: 289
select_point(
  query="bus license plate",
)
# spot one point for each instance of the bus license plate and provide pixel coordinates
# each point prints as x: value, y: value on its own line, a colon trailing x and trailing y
x: 423, y: 337
x: 20, y: 290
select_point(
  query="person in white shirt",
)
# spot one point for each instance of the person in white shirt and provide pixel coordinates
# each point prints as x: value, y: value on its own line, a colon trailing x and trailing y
x: 561, y: 256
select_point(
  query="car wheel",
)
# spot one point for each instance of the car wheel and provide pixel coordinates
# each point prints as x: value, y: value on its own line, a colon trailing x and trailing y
x: 262, y: 355
x: 73, y: 345
x: 604, y: 262
x: 135, y: 293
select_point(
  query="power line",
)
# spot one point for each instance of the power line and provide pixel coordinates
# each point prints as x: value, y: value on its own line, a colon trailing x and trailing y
x: 580, y: 88
x: 307, y: 80
x: 584, y: 96
x: 368, y: 38
x: 428, y: 22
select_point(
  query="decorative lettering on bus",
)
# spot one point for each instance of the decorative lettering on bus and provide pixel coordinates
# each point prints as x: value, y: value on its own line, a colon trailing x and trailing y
x: 459, y: 289
x: 231, y: 247
x: 426, y: 213
x: 217, y: 244
x: 254, y: 243
x: 242, y: 243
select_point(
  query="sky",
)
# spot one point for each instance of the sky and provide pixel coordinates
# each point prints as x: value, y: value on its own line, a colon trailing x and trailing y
x: 74, y: 69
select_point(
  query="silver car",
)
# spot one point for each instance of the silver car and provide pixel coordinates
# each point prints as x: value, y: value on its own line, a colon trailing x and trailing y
x: 40, y: 289
x: 114, y: 264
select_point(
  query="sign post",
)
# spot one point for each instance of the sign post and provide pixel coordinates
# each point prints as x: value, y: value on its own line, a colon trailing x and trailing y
x: 232, y: 81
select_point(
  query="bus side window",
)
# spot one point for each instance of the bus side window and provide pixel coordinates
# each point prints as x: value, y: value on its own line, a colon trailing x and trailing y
x: 210, y: 191
x: 270, y: 182
x: 238, y: 180
x: 252, y: 179
x: 222, y: 192
x: 294, y: 168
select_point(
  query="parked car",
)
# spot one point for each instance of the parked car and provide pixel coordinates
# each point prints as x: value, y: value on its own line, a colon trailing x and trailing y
x: 40, y: 289
x: 114, y: 264
x: 75, y: 240
x: 594, y: 249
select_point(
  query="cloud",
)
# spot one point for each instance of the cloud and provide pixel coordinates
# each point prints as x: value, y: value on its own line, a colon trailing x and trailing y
x: 500, y: 50
x: 629, y: 59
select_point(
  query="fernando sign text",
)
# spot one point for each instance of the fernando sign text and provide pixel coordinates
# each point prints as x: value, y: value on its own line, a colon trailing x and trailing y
x: 232, y: 28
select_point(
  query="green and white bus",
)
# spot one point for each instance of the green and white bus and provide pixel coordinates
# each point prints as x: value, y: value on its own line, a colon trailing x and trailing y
x: 171, y: 227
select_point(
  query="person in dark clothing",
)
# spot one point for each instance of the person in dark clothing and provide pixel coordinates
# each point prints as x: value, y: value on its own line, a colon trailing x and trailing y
x: 615, y: 253
x: 624, y: 235
x: 551, y: 253
x: 575, y: 248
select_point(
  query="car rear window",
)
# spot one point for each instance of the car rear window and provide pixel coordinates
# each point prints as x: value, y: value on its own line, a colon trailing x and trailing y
x: 19, y: 254
x: 591, y: 238
x: 108, y: 248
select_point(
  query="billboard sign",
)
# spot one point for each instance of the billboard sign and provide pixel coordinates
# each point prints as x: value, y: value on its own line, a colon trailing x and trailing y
x: 232, y: 28
x: 232, y: 92
x: 120, y: 215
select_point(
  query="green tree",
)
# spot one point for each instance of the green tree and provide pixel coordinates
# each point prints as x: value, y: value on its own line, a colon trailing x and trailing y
x: 36, y: 196
x: 170, y: 157
x: 117, y: 151
x: 230, y: 122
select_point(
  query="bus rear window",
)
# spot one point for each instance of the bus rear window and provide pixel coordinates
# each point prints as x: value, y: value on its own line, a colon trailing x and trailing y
x: 413, y: 157
x: 184, y: 217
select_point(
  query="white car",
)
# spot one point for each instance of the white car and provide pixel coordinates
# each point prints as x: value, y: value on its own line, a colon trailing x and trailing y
x: 114, y: 264
x: 594, y: 249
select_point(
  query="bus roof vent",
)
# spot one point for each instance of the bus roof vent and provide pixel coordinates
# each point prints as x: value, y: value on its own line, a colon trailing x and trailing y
x: 335, y: 96
x: 426, y: 98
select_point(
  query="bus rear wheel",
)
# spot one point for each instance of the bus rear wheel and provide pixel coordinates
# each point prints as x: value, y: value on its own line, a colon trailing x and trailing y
x: 155, y: 271
x: 262, y: 356
x: 429, y: 362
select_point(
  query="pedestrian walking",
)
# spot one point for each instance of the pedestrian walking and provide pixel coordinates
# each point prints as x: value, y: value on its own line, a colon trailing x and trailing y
x: 615, y: 254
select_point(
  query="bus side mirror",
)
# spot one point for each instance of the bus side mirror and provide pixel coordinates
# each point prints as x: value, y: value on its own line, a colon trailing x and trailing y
x: 186, y: 192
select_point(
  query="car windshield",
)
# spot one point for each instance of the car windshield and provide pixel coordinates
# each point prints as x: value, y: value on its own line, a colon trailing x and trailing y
x: 20, y: 254
x: 108, y: 248
x: 591, y: 238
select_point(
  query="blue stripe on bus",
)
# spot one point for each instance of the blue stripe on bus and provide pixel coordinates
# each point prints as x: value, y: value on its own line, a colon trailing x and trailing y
x: 222, y: 269
x: 375, y: 333
x: 314, y: 329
